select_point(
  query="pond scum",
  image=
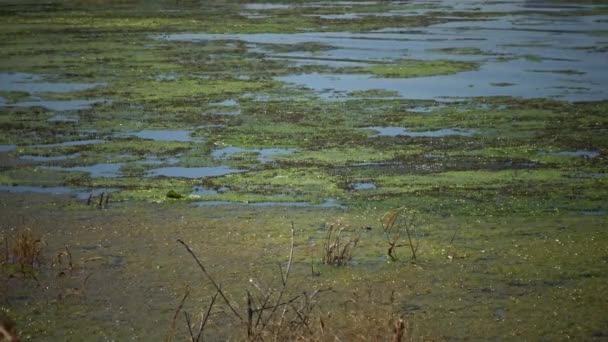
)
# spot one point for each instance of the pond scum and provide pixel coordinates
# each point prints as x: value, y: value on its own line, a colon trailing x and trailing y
x: 303, y: 170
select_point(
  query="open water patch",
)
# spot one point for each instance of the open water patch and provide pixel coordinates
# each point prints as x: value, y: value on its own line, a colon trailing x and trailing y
x: 71, y: 143
x: 363, y: 186
x: 55, y: 105
x: 103, y: 170
x: 43, y: 159
x: 61, y: 118
x: 161, y: 135
x: 265, y: 155
x: 192, y: 172
x: 31, y: 83
x: 578, y: 153
x: 7, y: 148
x: 503, y: 42
x: 401, y: 131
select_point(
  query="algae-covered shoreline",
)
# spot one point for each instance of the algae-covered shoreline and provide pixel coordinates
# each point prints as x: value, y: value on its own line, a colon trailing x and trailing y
x: 126, y: 126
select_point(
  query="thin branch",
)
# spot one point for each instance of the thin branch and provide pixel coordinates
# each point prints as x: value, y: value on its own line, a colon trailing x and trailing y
x: 287, y: 270
x: 206, y: 318
x: 189, y: 326
x: 219, y: 290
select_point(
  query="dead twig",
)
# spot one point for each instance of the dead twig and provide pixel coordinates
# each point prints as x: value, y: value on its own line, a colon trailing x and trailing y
x: 217, y: 287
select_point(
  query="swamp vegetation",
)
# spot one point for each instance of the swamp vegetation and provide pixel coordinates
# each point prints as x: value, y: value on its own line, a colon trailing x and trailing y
x: 128, y: 125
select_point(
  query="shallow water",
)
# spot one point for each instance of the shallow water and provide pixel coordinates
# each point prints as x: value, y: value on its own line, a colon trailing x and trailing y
x: 19, y: 81
x: 527, y: 50
x: 7, y: 148
x: 108, y: 170
x: 400, y: 131
x: 55, y: 105
x: 161, y: 135
x: 80, y: 193
x: 192, y: 172
x: 363, y: 186
x: 72, y: 143
x: 580, y: 153
x: 49, y: 159
x: 265, y: 155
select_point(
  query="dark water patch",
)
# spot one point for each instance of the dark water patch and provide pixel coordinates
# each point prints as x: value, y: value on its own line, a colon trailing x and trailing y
x: 400, y: 131
x: 107, y: 170
x: 161, y: 135
x: 71, y: 143
x: 49, y: 158
x: 7, y: 148
x: 80, y: 193
x: 192, y: 172
x: 264, y: 155
x: 578, y: 153
x: 19, y: 81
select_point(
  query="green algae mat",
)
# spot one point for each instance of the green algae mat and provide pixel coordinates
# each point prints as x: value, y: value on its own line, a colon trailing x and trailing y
x: 128, y: 125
